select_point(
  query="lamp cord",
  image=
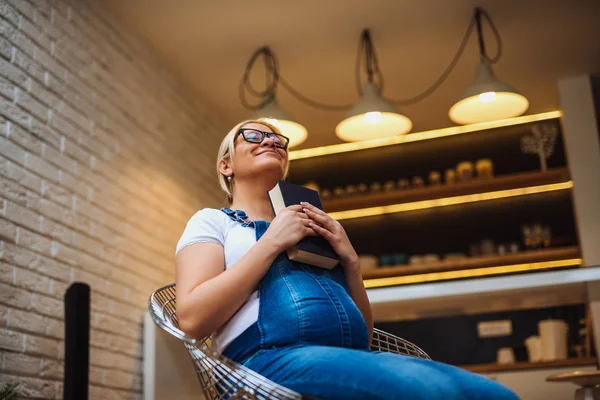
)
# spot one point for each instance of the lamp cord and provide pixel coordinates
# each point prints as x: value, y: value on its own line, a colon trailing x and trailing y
x: 366, y: 51
x: 476, y: 20
x: 427, y: 92
x: 315, y: 104
x: 480, y: 33
x: 477, y: 17
x: 273, y: 78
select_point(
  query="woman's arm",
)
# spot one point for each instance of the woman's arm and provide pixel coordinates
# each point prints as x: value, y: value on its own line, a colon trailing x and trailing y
x: 208, y: 295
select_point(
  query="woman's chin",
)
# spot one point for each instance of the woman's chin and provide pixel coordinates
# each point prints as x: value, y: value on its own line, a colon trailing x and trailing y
x: 270, y: 162
x: 272, y: 170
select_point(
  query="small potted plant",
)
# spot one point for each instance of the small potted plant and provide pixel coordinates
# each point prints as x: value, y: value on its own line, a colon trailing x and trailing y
x: 9, y: 391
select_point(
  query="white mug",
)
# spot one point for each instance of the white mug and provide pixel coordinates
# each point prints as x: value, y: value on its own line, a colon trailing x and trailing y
x: 553, y: 334
x: 505, y: 355
x: 534, y: 348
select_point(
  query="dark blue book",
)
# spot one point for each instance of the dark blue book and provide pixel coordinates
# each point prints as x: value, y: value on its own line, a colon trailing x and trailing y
x: 313, y: 250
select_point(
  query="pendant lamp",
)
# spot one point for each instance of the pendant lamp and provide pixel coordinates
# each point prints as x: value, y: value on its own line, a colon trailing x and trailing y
x: 487, y: 98
x: 372, y: 117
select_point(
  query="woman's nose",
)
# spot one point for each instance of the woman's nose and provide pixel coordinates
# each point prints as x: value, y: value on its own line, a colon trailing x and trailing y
x: 268, y: 141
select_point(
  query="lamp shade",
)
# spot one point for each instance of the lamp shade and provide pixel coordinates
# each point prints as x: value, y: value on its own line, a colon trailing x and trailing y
x: 270, y: 111
x: 371, y: 118
x: 487, y: 99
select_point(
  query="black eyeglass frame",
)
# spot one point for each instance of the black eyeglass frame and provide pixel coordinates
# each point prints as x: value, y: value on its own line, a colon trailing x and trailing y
x: 265, y: 134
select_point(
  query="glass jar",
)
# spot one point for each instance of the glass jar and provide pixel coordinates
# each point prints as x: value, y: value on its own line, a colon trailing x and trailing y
x: 464, y: 171
x: 484, y: 168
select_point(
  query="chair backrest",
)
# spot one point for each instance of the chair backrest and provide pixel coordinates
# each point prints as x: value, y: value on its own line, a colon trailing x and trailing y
x: 162, y: 305
x: 219, y: 377
x: 383, y: 341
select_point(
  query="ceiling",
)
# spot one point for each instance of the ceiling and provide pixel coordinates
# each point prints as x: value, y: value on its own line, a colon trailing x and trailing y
x: 208, y: 43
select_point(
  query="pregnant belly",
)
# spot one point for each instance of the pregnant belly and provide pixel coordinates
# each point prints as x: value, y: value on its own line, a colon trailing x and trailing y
x: 305, y: 306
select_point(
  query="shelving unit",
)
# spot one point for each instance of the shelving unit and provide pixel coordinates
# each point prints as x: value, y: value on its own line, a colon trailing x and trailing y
x: 446, y: 218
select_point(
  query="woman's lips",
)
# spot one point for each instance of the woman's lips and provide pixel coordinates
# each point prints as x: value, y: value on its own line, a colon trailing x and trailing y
x: 271, y: 152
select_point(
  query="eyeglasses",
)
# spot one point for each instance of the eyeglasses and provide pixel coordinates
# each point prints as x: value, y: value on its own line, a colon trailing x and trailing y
x: 256, y: 136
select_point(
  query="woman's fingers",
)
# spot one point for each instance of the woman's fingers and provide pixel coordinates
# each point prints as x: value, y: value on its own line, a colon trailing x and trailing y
x: 306, y: 221
x: 320, y: 217
x: 298, y: 210
x: 321, y: 231
x: 309, y: 231
x: 303, y: 215
x: 312, y: 208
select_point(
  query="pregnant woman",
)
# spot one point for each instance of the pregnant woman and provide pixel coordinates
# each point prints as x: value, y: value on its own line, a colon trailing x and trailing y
x: 303, y: 327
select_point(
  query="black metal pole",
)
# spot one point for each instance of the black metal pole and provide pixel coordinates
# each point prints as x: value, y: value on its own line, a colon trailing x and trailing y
x: 77, y: 342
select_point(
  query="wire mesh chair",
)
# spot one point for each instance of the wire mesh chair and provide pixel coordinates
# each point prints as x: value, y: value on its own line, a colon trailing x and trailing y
x: 221, y: 378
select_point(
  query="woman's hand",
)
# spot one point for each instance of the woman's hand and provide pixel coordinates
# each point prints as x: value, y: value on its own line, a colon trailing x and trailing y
x: 335, y: 234
x: 289, y: 227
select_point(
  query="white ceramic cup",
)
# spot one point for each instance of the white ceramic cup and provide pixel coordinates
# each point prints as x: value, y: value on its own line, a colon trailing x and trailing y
x: 553, y: 334
x: 534, y: 348
x: 505, y: 355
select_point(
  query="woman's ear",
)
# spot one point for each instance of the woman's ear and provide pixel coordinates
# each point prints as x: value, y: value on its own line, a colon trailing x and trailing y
x: 224, y: 167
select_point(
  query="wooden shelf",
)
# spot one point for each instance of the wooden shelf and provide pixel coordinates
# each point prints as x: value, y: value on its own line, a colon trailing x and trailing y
x: 476, y: 262
x: 513, y: 181
x: 570, y: 362
x: 483, y: 295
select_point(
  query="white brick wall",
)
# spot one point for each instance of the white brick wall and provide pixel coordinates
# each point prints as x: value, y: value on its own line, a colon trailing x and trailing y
x: 104, y: 156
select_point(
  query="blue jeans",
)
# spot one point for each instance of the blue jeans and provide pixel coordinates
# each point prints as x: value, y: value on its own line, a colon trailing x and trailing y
x: 311, y: 338
x: 347, y: 374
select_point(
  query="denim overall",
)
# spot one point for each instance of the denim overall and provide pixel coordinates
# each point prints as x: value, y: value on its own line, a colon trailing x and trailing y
x: 299, y: 304
x: 310, y: 337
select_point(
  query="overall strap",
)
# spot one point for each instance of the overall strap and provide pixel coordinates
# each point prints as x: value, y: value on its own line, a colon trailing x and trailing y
x: 239, y: 216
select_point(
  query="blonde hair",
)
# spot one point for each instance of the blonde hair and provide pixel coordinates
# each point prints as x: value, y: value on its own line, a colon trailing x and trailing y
x: 227, y: 147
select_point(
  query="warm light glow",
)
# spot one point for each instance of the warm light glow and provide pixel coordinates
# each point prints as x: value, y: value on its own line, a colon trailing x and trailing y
x: 373, y: 117
x: 293, y: 130
x: 469, y: 273
x: 448, y: 201
x: 372, y: 125
x: 487, y: 97
x: 473, y: 109
x: 418, y: 136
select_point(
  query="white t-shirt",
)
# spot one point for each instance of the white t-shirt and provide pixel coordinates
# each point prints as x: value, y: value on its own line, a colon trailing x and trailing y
x: 210, y: 225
